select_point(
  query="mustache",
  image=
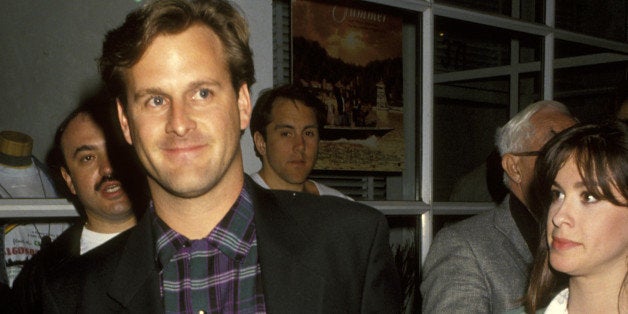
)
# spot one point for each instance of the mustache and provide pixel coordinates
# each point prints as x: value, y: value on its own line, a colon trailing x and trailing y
x: 104, y: 180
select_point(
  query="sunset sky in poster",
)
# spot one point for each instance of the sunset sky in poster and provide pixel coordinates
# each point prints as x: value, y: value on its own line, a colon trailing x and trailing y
x: 355, y: 40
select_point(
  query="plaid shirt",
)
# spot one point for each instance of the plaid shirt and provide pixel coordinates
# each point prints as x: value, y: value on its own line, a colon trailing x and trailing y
x: 217, y: 274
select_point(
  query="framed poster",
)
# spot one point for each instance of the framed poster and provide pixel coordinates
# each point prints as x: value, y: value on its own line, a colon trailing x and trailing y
x: 350, y: 55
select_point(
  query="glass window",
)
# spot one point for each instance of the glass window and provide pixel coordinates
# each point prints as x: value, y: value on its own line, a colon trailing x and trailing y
x: 605, y: 19
x: 590, y: 91
x: 566, y: 49
x: 528, y: 10
x: 529, y: 88
x: 466, y: 115
x: 462, y: 46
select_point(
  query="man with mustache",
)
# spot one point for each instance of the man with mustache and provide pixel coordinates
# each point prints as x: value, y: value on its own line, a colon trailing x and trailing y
x: 285, y: 127
x: 81, y: 158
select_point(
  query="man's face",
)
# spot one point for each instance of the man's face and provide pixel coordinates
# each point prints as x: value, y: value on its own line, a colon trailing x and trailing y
x: 546, y: 123
x: 183, y: 116
x: 89, y: 173
x: 291, y: 145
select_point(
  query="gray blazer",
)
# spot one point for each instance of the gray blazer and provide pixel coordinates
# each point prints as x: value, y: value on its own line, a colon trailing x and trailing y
x: 479, y: 265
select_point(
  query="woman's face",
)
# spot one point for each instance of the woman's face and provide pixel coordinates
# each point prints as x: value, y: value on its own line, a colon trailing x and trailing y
x: 585, y: 235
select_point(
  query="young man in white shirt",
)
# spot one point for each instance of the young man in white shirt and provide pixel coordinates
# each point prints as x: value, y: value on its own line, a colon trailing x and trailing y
x: 285, y: 127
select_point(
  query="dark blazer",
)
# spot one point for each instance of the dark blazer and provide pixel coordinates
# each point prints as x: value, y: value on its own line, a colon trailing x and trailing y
x: 317, y: 255
x: 63, y: 250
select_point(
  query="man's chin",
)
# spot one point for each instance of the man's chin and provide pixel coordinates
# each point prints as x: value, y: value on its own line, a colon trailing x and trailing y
x: 188, y: 190
x: 296, y: 179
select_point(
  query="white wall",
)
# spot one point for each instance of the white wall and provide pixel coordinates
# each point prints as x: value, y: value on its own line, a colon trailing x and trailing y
x: 48, y: 60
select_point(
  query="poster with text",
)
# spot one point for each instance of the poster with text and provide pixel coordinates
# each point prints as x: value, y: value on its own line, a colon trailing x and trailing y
x: 350, y: 55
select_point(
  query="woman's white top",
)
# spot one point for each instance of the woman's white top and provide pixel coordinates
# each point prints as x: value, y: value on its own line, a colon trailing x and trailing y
x: 558, y: 305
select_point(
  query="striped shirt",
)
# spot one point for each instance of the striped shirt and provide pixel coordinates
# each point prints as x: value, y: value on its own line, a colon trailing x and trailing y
x: 217, y: 274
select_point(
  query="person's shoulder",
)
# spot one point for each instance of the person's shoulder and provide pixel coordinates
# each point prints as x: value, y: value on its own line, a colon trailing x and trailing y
x: 326, y: 190
x: 64, y: 246
x: 258, y: 180
x: 325, y: 207
x: 477, y: 224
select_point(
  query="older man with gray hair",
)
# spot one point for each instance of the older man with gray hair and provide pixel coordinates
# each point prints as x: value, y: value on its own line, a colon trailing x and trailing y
x: 481, y: 264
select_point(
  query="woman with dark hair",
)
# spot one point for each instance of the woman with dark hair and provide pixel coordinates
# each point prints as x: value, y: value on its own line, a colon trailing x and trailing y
x: 581, y: 186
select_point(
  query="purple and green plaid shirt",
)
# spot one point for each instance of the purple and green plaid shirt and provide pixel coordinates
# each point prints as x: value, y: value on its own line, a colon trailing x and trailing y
x: 217, y: 274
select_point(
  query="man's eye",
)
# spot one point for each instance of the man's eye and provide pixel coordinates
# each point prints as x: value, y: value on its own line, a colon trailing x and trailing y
x: 202, y: 93
x: 87, y: 158
x: 156, y: 101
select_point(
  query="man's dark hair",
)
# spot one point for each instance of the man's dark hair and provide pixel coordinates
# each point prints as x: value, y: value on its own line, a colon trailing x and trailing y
x: 123, y: 160
x: 124, y: 46
x: 262, y: 112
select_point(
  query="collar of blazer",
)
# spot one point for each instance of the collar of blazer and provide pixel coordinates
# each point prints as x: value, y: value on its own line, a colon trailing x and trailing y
x: 513, y: 242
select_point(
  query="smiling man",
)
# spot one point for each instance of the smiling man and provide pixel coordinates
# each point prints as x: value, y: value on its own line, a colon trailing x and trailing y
x: 211, y: 240
x: 285, y: 127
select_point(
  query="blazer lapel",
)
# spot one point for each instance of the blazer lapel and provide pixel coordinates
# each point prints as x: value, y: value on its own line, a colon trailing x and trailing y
x: 63, y: 271
x: 514, y: 243
x: 290, y: 284
x: 135, y: 283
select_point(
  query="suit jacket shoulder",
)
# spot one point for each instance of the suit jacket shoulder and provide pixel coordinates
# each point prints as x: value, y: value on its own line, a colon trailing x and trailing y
x: 317, y: 254
x: 324, y: 254
x: 49, y: 282
x: 477, y: 265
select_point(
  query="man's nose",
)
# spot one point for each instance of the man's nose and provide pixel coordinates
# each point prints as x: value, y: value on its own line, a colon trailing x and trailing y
x: 179, y: 120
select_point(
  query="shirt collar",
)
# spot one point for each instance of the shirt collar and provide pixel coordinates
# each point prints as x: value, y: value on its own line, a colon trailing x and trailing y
x: 233, y: 236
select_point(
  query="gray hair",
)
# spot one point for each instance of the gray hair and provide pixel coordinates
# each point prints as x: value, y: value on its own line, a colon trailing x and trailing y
x: 514, y: 136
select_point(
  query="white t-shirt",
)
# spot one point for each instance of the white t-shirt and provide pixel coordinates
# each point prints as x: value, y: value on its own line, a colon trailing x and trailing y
x: 91, y: 239
x: 322, y: 189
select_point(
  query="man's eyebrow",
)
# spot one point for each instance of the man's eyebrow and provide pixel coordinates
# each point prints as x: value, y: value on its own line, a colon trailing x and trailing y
x: 83, y: 148
x: 158, y: 91
x: 147, y: 91
x: 199, y: 83
x: 283, y: 126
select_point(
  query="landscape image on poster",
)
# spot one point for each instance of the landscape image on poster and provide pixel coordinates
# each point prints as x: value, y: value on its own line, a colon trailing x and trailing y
x: 351, y: 57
